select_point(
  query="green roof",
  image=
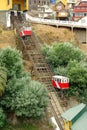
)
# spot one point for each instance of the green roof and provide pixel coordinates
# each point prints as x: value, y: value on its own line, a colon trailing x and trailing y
x: 70, y: 114
x: 81, y: 123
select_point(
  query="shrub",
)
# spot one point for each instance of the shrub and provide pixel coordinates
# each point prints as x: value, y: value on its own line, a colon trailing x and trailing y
x: 77, y: 74
x: 25, y: 97
x: 60, y: 71
x: 2, y: 118
x: 32, y: 101
x: 12, y: 60
x: 60, y: 54
x: 3, y: 79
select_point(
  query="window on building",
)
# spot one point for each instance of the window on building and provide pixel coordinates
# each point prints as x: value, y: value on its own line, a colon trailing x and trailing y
x: 30, y: 2
x: 34, y: 1
x: 47, y: 3
x: 44, y: 2
x: 78, y: 8
x: 73, y: 14
x: 79, y: 14
x: 19, y: 7
x: 85, y: 14
x: 24, y: 2
x: 8, y: 2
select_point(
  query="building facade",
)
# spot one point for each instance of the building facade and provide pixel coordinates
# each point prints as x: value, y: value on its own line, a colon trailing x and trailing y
x: 33, y: 4
x: 7, y: 5
x: 20, y: 5
x: 69, y: 3
x: 61, y: 11
x: 79, y: 10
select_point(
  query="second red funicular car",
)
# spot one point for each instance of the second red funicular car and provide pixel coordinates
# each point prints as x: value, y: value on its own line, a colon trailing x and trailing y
x: 60, y: 82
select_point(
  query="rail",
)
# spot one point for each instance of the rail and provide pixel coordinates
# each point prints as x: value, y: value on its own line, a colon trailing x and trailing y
x: 71, y: 24
x: 42, y: 71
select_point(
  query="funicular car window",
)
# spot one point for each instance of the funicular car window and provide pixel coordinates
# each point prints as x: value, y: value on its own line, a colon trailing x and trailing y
x: 65, y: 80
x: 59, y: 80
x: 55, y: 79
x: 62, y: 80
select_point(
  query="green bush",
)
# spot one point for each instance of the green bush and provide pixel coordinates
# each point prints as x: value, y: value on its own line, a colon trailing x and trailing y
x: 25, y: 97
x: 31, y: 101
x: 60, y: 71
x: 3, y: 79
x: 77, y: 73
x: 2, y: 118
x: 12, y: 60
x: 60, y: 54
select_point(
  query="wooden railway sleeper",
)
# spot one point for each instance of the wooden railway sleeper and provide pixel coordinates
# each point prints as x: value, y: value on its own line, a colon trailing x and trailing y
x: 40, y: 59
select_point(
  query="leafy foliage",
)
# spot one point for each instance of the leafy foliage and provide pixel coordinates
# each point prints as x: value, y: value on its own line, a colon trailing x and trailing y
x: 2, y: 118
x: 25, y: 97
x: 60, y: 70
x: 77, y: 73
x: 12, y: 60
x: 67, y: 60
x: 33, y: 98
x: 61, y: 54
x: 3, y: 79
x: 22, y: 96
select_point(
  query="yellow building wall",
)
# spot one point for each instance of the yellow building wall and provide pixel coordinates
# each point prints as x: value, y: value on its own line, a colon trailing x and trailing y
x: 67, y: 125
x: 21, y: 3
x: 4, y: 5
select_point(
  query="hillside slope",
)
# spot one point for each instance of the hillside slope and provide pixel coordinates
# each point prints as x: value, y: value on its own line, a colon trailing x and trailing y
x: 49, y: 34
x: 7, y: 38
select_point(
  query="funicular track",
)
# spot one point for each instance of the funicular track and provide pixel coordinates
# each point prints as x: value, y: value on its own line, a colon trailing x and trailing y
x: 32, y: 49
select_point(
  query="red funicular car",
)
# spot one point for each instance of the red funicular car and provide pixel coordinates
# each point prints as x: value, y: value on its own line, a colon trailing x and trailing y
x: 60, y: 82
x: 25, y: 31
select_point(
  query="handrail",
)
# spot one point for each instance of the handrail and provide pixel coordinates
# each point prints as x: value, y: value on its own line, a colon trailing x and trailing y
x: 56, y: 22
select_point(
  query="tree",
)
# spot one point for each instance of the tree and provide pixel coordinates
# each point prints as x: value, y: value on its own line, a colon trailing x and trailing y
x: 2, y: 118
x: 25, y: 97
x: 22, y: 96
x: 11, y: 59
x: 60, y: 54
x: 32, y: 101
x: 3, y: 79
x: 77, y: 74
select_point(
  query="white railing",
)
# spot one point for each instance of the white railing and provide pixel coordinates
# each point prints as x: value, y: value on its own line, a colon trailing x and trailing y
x: 56, y: 22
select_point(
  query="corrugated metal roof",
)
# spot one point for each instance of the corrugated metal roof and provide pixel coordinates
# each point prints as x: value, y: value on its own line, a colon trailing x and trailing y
x: 81, y: 123
x: 70, y: 114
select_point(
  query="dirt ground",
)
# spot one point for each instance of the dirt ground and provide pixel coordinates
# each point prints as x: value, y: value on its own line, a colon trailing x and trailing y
x: 7, y: 38
x: 49, y: 34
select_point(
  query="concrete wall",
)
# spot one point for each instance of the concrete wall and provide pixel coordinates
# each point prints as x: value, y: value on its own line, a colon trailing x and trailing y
x: 81, y: 35
x: 3, y: 17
